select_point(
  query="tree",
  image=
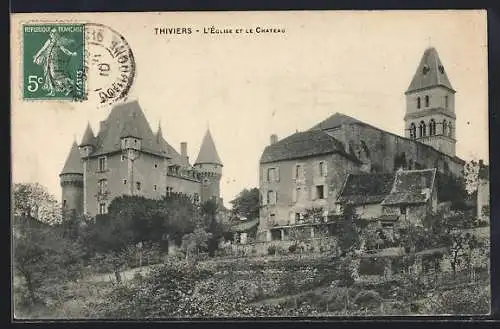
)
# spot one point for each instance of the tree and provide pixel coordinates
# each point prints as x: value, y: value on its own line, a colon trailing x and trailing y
x: 42, y: 255
x: 246, y: 204
x: 196, y: 242
x: 32, y: 200
x: 471, y: 172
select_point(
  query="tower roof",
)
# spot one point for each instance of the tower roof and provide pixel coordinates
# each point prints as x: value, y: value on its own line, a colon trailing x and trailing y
x: 208, y: 152
x: 430, y: 73
x: 73, y: 163
x: 88, y: 136
x: 127, y: 120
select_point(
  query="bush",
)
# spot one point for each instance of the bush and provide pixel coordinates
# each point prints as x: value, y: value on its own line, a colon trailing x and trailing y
x: 271, y: 250
x: 292, y: 248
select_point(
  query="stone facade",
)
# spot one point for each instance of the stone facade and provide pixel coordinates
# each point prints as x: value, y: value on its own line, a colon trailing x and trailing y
x: 345, y: 145
x: 127, y: 158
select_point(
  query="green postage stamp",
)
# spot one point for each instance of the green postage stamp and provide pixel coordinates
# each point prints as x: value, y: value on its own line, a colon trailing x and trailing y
x: 54, y: 61
x: 76, y: 62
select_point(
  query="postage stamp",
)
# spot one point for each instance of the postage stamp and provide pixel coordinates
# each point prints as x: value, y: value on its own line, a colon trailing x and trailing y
x: 53, y: 64
x: 76, y: 62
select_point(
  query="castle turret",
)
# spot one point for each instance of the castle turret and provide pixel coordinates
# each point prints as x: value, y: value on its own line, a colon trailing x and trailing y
x: 430, y: 105
x: 131, y: 144
x: 71, y: 179
x: 209, y: 165
x: 88, y: 143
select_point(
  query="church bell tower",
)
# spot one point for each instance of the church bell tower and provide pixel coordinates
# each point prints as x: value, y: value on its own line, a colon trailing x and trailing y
x: 430, y: 105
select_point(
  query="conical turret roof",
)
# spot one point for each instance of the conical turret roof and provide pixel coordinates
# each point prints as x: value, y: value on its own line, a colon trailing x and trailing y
x: 88, y: 136
x: 430, y: 73
x: 208, y: 152
x: 73, y: 163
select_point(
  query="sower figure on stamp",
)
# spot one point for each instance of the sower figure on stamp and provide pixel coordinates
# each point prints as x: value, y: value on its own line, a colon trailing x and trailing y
x: 56, y: 78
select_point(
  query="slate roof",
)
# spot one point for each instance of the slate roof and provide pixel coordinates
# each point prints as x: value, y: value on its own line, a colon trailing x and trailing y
x: 88, y: 136
x: 366, y: 188
x: 335, y: 120
x: 208, y: 152
x: 73, y: 164
x: 302, y: 144
x: 411, y: 187
x: 126, y: 119
x: 430, y: 72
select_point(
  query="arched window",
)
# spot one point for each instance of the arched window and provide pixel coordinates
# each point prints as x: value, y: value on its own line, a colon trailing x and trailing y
x: 413, y: 130
x: 432, y: 127
x: 418, y: 102
x: 421, y: 129
x: 445, y: 127
x: 450, y: 130
x: 426, y: 100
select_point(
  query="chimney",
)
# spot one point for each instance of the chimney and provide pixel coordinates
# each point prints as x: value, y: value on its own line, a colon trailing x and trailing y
x: 274, y: 139
x: 184, y: 148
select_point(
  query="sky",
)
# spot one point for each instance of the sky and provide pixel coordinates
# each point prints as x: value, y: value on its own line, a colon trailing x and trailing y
x: 245, y: 87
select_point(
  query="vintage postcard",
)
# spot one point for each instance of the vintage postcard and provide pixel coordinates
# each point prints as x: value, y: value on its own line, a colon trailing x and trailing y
x: 249, y: 164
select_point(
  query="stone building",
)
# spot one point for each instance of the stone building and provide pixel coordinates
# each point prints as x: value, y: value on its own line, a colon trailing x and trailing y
x: 308, y: 169
x: 483, y: 192
x: 405, y: 195
x: 127, y: 158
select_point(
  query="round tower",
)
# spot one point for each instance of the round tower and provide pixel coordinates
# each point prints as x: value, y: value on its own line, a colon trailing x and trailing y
x: 209, y: 166
x: 71, y: 180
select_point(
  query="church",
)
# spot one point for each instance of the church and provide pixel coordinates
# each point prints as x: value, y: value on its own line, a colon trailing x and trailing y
x: 126, y: 157
x: 344, y: 160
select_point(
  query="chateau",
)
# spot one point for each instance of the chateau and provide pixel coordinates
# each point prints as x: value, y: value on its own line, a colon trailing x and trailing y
x: 344, y: 160
x: 127, y: 158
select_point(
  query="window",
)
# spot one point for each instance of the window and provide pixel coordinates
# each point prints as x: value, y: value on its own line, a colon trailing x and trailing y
x: 169, y: 190
x: 102, y: 163
x: 272, y: 218
x: 445, y: 127
x: 103, y: 184
x: 297, y: 216
x: 426, y: 100
x: 138, y: 186
x: 296, y: 194
x: 123, y: 157
x: 102, y: 208
x: 418, y: 103
x: 450, y: 130
x: 124, y: 182
x: 432, y: 127
x: 271, y: 174
x: 156, y: 165
x: 402, y: 209
x: 322, y: 169
x: 421, y: 129
x: 413, y: 131
x: 64, y: 204
x: 320, y: 192
x: 446, y: 101
x: 298, y: 171
x: 196, y: 198
x: 154, y: 187
x: 271, y: 197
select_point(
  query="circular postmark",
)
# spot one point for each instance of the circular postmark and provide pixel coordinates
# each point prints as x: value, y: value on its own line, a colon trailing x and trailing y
x: 109, y: 66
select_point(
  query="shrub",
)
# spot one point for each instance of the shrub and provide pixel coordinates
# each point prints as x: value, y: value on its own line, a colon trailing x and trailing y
x: 271, y: 250
x: 292, y: 248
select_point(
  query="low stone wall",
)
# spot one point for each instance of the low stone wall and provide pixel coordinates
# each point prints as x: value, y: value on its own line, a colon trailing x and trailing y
x: 264, y: 248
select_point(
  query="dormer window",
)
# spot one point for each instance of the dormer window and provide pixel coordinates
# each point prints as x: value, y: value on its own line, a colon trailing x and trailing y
x: 441, y: 69
x: 425, y: 69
